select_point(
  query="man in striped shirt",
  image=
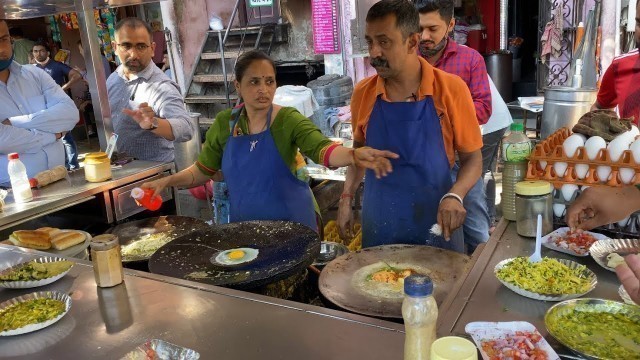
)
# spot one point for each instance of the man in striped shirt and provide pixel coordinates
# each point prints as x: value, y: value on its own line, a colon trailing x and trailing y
x: 146, y: 106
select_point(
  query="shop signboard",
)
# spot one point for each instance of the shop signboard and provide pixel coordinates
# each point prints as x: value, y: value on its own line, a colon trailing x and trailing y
x: 325, y: 22
x: 256, y: 3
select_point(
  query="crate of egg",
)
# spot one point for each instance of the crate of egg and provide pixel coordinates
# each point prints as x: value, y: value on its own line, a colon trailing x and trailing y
x: 566, y: 158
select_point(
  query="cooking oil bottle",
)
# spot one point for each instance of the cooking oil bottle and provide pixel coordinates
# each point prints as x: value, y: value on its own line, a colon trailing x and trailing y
x: 516, y: 148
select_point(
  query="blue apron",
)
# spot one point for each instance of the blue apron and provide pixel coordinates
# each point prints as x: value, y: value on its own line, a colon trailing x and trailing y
x: 261, y: 186
x: 401, y: 207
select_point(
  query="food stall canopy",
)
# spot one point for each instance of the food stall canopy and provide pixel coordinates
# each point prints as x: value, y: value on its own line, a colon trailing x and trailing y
x: 25, y: 9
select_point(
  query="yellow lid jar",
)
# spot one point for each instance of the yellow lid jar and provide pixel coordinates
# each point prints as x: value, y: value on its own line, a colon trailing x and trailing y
x: 97, y: 167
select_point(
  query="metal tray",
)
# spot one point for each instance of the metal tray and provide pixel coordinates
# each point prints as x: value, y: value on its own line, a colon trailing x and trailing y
x: 548, y: 297
x: 601, y: 249
x: 68, y: 252
x: 32, y: 283
x: 560, y: 332
x: 37, y: 295
x: 161, y: 350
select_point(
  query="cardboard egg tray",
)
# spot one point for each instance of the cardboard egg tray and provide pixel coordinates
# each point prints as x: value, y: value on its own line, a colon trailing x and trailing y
x: 551, y: 151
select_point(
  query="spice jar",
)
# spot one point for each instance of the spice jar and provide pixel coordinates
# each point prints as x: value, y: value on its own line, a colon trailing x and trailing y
x: 107, y: 262
x: 97, y: 167
x: 533, y: 198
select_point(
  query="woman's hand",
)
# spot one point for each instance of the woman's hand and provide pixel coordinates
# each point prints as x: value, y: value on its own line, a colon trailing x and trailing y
x: 157, y: 185
x: 376, y: 160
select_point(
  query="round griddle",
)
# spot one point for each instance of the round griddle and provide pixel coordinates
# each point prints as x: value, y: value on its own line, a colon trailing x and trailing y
x: 173, y: 225
x: 337, y: 278
x: 284, y: 249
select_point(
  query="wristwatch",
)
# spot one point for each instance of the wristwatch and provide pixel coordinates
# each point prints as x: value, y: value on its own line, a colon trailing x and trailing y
x: 154, y: 124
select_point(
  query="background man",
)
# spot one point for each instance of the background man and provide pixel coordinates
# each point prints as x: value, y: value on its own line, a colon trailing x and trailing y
x: 21, y: 46
x: 34, y: 113
x: 619, y: 86
x: 437, y: 118
x: 60, y: 73
x: 147, y: 107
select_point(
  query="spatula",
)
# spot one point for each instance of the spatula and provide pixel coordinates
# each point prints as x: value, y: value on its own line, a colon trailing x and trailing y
x: 536, y: 257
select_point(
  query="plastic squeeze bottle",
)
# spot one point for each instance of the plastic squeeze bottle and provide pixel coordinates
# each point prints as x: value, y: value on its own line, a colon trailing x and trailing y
x: 19, y: 180
x: 420, y: 313
x: 516, y: 148
x: 145, y: 198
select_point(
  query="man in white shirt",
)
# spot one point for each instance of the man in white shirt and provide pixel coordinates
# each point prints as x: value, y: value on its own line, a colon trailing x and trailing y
x: 34, y: 112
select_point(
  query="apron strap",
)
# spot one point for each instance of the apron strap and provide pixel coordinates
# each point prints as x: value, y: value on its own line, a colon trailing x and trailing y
x: 235, y: 116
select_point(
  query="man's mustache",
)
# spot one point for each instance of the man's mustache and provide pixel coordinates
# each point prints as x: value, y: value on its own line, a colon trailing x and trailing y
x: 379, y: 62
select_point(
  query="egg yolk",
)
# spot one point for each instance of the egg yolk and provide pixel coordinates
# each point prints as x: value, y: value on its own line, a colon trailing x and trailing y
x: 236, y: 255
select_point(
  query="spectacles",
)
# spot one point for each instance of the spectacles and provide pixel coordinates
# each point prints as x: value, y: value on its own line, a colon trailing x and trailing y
x: 139, y: 47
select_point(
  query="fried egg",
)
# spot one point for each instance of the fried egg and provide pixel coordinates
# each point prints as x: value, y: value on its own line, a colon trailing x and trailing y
x: 236, y: 256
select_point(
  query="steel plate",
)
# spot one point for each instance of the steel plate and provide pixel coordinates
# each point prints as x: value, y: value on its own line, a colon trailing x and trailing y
x: 586, y: 273
x: 284, y: 248
x: 26, y: 284
x: 335, y: 282
x: 172, y: 225
x: 602, y: 248
x: 37, y: 295
x: 561, y: 332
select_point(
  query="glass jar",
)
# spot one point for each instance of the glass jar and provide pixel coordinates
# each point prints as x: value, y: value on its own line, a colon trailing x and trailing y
x: 97, y: 167
x: 107, y: 261
x: 533, y: 198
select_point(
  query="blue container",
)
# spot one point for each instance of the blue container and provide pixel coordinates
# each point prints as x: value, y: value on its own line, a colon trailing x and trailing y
x: 220, y: 203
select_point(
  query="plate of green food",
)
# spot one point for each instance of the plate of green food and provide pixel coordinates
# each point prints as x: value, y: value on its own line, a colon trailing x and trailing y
x: 34, y: 273
x: 549, y: 280
x: 35, y: 311
x: 596, y: 328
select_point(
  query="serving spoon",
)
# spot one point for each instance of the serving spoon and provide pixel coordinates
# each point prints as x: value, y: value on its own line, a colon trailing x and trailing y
x: 536, y: 257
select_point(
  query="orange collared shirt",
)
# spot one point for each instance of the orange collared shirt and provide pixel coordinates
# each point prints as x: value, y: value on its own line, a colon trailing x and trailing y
x: 452, y: 100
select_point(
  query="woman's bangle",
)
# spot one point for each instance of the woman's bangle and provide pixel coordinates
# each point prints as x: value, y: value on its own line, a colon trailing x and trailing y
x: 346, y: 196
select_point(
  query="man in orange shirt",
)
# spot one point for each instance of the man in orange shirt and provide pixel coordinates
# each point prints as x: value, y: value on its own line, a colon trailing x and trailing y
x: 423, y: 114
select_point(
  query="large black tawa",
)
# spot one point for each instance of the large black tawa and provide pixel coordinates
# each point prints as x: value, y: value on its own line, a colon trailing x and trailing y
x: 284, y: 249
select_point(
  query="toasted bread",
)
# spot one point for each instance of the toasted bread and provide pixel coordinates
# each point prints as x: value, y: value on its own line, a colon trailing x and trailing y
x: 50, y: 230
x: 33, y: 239
x: 67, y: 239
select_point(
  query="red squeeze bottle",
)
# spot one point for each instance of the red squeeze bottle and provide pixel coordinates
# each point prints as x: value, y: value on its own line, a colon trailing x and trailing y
x: 144, y: 198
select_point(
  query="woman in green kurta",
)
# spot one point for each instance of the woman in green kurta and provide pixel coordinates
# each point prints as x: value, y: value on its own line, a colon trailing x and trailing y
x: 255, y: 146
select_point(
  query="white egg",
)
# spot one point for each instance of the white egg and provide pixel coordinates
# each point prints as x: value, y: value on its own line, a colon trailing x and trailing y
x: 634, y: 131
x: 617, y: 147
x: 227, y: 258
x: 626, y: 175
x: 627, y: 136
x: 571, y: 144
x: 623, y: 222
x: 581, y: 170
x: 603, y: 173
x: 560, y: 168
x: 593, y: 146
x: 568, y: 190
x: 635, y: 150
x: 558, y: 210
x: 543, y: 164
x: 584, y: 187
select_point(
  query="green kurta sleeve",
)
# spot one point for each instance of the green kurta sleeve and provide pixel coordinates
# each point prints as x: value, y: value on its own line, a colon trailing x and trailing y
x: 210, y: 158
x: 302, y: 133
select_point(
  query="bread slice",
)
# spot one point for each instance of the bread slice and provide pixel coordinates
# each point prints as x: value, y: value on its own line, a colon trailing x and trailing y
x: 50, y: 230
x: 67, y: 239
x: 34, y: 239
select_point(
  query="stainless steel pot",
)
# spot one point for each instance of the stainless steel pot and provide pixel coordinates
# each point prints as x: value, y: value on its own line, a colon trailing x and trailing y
x: 563, y: 106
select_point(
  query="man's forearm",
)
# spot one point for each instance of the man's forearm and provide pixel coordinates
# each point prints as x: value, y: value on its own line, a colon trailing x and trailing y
x: 164, y: 129
x: 469, y: 173
x: 353, y: 178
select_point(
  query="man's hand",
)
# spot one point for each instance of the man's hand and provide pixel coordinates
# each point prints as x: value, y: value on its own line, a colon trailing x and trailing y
x: 629, y: 275
x: 598, y: 206
x: 6, y: 122
x: 451, y: 216
x: 376, y: 160
x: 144, y: 115
x: 345, y: 219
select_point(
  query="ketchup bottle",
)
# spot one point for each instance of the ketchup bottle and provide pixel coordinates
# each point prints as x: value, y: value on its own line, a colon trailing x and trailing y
x: 144, y: 198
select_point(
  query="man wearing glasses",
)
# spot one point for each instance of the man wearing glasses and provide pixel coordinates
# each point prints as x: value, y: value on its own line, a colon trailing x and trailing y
x: 34, y: 113
x: 60, y: 72
x: 146, y: 106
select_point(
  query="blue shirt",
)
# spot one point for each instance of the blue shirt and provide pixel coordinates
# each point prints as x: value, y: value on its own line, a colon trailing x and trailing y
x: 37, y: 108
x: 57, y: 70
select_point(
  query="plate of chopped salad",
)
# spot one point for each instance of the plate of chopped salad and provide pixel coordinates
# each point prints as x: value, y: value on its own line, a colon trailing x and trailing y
x: 509, y: 341
x: 549, y: 280
x: 572, y: 243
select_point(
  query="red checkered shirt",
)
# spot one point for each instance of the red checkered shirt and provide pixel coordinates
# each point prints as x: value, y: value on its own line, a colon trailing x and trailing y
x: 469, y: 65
